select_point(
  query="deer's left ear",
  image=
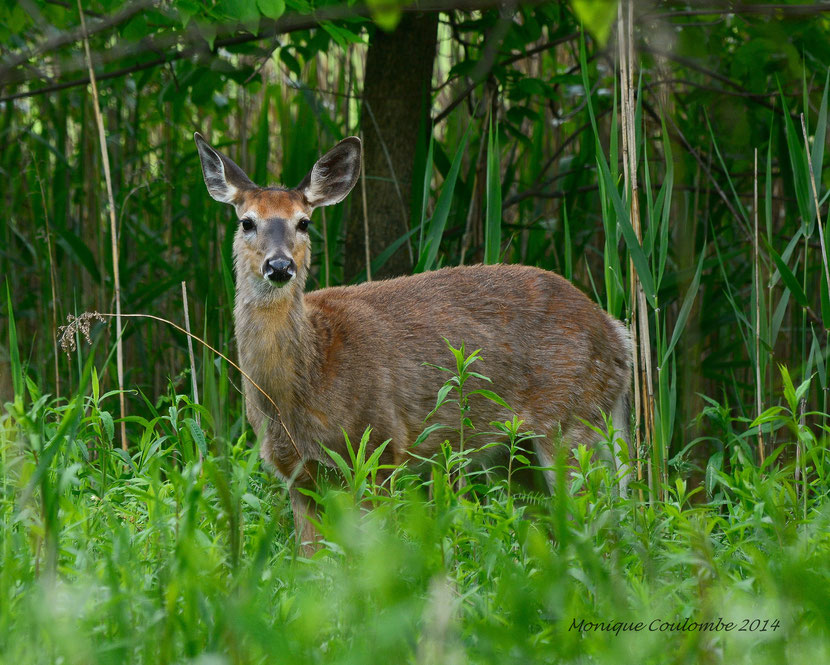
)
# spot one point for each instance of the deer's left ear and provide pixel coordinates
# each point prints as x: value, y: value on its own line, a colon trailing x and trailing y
x: 224, y: 179
x: 333, y: 176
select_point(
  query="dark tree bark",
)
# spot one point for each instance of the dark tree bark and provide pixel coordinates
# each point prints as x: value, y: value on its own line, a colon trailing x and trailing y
x: 396, y: 85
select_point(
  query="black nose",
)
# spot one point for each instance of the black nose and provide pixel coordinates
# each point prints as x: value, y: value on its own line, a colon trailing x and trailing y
x: 279, y: 270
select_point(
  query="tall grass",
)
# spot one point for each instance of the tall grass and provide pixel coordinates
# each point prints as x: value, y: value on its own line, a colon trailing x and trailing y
x: 159, y: 556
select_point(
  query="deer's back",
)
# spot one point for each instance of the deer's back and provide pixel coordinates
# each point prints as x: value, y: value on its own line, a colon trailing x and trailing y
x: 551, y: 353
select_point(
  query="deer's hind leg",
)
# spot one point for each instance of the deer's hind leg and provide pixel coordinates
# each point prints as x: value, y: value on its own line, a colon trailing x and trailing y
x: 580, y: 433
x: 305, y: 510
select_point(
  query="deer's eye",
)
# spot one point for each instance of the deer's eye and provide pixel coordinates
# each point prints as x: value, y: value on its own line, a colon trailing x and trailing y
x: 303, y: 224
x: 248, y: 224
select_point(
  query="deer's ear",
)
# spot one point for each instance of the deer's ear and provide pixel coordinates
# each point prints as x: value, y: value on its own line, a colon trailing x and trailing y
x: 333, y: 176
x: 225, y: 180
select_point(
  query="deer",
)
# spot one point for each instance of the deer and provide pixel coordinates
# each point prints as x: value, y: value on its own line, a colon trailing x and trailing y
x: 343, y: 358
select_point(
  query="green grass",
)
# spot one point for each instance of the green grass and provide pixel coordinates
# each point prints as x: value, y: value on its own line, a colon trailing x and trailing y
x: 158, y: 558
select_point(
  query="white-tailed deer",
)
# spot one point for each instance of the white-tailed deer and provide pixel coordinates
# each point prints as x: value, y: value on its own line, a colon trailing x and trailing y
x: 348, y: 357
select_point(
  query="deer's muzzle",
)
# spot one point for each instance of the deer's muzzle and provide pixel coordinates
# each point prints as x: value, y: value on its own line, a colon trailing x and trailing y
x: 279, y: 270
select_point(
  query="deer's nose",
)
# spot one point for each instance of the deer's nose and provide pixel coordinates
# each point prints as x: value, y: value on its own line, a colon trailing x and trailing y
x: 280, y: 269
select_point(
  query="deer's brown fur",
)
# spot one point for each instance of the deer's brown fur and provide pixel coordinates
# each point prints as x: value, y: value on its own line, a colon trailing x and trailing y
x: 348, y: 357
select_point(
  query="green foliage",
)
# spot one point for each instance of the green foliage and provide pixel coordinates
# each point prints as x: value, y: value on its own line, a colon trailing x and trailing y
x: 157, y: 557
x: 597, y: 15
x: 438, y: 221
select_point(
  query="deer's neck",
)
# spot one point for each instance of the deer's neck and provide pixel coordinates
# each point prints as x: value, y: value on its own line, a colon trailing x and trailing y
x: 276, y: 344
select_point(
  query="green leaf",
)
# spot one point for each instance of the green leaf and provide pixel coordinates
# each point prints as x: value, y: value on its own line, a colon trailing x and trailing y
x: 380, y: 260
x: 136, y: 29
x: 75, y: 246
x: 271, y: 8
x: 634, y: 247
x: 341, y: 463
x: 442, y: 209
x: 713, y: 467
x: 597, y: 15
x: 197, y: 434
x: 442, y: 395
x: 429, y: 430
x: 109, y: 426
x: 14, y: 352
x: 291, y: 62
x: 385, y: 13
x: 208, y: 31
x: 341, y: 35
x: 789, y: 390
x: 798, y: 163
x: 789, y: 279
x: 241, y: 11
x: 685, y: 308
x: 493, y: 397
x: 821, y: 133
x: 187, y: 9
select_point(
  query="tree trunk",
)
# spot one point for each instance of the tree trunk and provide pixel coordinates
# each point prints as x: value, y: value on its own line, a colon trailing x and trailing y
x: 396, y: 85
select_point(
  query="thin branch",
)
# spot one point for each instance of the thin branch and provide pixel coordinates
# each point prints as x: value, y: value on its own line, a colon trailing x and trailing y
x: 812, y: 9
x: 553, y: 43
x: 485, y: 65
x: 173, y: 48
x: 71, y: 36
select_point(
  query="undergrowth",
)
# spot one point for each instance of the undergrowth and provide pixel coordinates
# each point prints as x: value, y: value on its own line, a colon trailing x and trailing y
x: 157, y: 557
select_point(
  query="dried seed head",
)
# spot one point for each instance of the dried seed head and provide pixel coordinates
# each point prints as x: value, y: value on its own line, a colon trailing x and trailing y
x: 74, y: 325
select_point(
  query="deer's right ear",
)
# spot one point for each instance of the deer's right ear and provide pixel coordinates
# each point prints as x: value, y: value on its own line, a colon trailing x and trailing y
x: 224, y: 179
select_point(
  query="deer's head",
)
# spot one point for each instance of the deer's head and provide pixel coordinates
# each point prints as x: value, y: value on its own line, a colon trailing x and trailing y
x: 272, y: 247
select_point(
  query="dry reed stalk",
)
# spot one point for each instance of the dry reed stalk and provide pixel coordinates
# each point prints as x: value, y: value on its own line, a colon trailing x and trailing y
x: 643, y: 394
x: 815, y: 201
x: 326, y: 264
x: 52, y: 279
x: 193, y: 383
x: 758, y: 404
x: 823, y: 261
x: 102, y: 138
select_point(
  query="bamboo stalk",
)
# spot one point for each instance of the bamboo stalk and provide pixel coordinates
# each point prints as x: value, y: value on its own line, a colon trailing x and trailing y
x: 102, y: 138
